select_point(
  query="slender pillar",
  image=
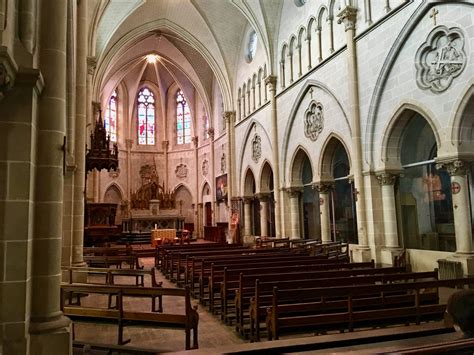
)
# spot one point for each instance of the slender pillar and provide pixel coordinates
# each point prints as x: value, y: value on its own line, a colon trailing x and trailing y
x: 248, y: 216
x: 294, y: 194
x: 282, y: 74
x: 128, y: 146
x: 49, y: 329
x: 271, y: 82
x: 461, y: 207
x: 331, y: 35
x: 348, y: 16
x: 387, y: 182
x: 308, y: 40
x: 195, y: 140
x: 298, y: 48
x: 320, y: 45
x: 324, y: 190
x: 198, y: 212
x: 259, y: 93
x: 263, y: 198
x: 80, y: 143
x: 253, y: 97
x: 166, y: 145
x: 290, y: 56
x: 215, y: 217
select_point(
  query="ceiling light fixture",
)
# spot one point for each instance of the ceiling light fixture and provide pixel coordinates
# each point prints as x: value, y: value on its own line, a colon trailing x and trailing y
x: 152, y: 58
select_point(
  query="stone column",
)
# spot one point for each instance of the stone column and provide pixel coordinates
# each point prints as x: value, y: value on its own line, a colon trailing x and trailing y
x: 320, y: 45
x: 248, y: 216
x: 295, y: 229
x: 195, y: 141
x: 49, y: 329
x: 461, y: 207
x: 263, y: 198
x: 349, y: 16
x: 128, y: 146
x: 81, y: 121
x: 290, y: 56
x: 95, y: 173
x: 215, y: 216
x: 166, y: 145
x: 324, y: 189
x: 91, y: 65
x: 271, y: 82
x: 200, y: 220
x: 387, y: 182
x: 298, y: 48
x: 308, y: 40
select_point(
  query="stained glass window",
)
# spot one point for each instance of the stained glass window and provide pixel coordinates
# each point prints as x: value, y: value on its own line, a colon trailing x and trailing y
x: 110, y: 119
x: 183, y: 119
x: 146, y: 117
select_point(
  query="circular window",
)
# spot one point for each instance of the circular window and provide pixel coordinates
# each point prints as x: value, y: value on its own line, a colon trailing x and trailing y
x: 251, y: 46
x: 300, y: 2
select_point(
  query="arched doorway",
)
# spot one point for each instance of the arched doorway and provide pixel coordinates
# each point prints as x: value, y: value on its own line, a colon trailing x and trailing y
x: 267, y: 202
x: 113, y: 195
x: 251, y: 206
x: 184, y: 201
x: 423, y: 193
x: 304, y: 200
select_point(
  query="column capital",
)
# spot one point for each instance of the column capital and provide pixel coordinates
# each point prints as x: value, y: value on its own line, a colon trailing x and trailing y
x: 348, y: 16
x: 195, y: 141
x: 263, y: 196
x: 323, y: 186
x: 455, y: 167
x: 229, y: 116
x: 247, y: 199
x: 294, y: 191
x: 271, y: 80
x: 211, y: 133
x: 91, y: 65
x: 386, y: 178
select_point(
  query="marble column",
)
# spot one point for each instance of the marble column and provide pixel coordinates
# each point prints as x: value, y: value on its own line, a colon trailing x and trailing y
x: 387, y: 181
x: 348, y: 16
x: 49, y: 329
x: 295, y: 228
x: 461, y: 207
x: 263, y: 198
x: 271, y: 82
x: 80, y: 128
x: 324, y: 190
x: 248, y: 216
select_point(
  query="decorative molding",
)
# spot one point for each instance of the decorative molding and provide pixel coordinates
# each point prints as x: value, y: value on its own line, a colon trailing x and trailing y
x: 453, y: 167
x: 91, y: 65
x: 8, y: 70
x: 195, y: 141
x: 323, y: 187
x: 386, y: 179
x: 348, y: 16
x: 256, y: 148
x: 114, y: 174
x: 181, y: 171
x: 313, y: 120
x: 205, y: 167
x: 440, y: 59
x: 211, y: 132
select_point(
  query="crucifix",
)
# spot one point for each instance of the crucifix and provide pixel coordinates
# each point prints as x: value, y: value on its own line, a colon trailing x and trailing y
x: 434, y: 12
x: 311, y: 92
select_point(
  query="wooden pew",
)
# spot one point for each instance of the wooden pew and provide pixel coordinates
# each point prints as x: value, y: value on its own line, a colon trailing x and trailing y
x: 227, y: 283
x: 462, y: 346
x: 189, y: 320
x: 112, y: 260
x: 199, y: 268
x: 259, y: 297
x: 285, y: 313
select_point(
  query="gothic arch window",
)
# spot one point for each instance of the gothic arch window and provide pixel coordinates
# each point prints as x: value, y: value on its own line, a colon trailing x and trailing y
x: 110, y: 119
x: 183, y: 119
x: 146, y: 117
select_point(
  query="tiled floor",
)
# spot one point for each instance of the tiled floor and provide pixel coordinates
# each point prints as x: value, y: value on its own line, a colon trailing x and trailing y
x: 212, y: 333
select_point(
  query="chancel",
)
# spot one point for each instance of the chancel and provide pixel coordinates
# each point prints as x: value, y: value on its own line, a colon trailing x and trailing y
x: 233, y: 176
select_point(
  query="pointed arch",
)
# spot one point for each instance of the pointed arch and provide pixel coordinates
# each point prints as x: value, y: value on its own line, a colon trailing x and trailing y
x: 297, y: 164
x: 249, y: 184
x: 462, y: 124
x: 393, y: 133
x: 326, y: 160
x: 266, y: 177
x: 113, y: 193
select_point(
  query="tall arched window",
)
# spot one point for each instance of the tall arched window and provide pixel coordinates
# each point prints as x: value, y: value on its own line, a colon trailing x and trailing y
x: 183, y: 119
x: 146, y: 117
x: 110, y: 119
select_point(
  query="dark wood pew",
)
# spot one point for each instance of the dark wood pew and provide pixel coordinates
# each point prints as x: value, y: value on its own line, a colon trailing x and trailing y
x: 178, y: 261
x: 259, y: 297
x: 271, y: 242
x: 199, y: 269
x: 227, y: 283
x: 112, y: 260
x: 286, y: 314
x: 121, y: 316
x: 464, y: 346
x: 110, y: 250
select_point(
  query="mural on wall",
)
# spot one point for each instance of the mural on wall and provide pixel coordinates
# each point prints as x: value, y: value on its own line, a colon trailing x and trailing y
x: 313, y: 120
x: 181, y: 171
x: 440, y: 59
x: 221, y: 188
x: 256, y: 148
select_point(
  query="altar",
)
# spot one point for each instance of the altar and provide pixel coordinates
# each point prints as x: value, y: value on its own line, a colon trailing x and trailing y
x: 151, y: 206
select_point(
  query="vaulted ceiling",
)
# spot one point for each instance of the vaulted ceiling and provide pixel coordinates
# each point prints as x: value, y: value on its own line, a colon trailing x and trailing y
x: 199, y: 40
